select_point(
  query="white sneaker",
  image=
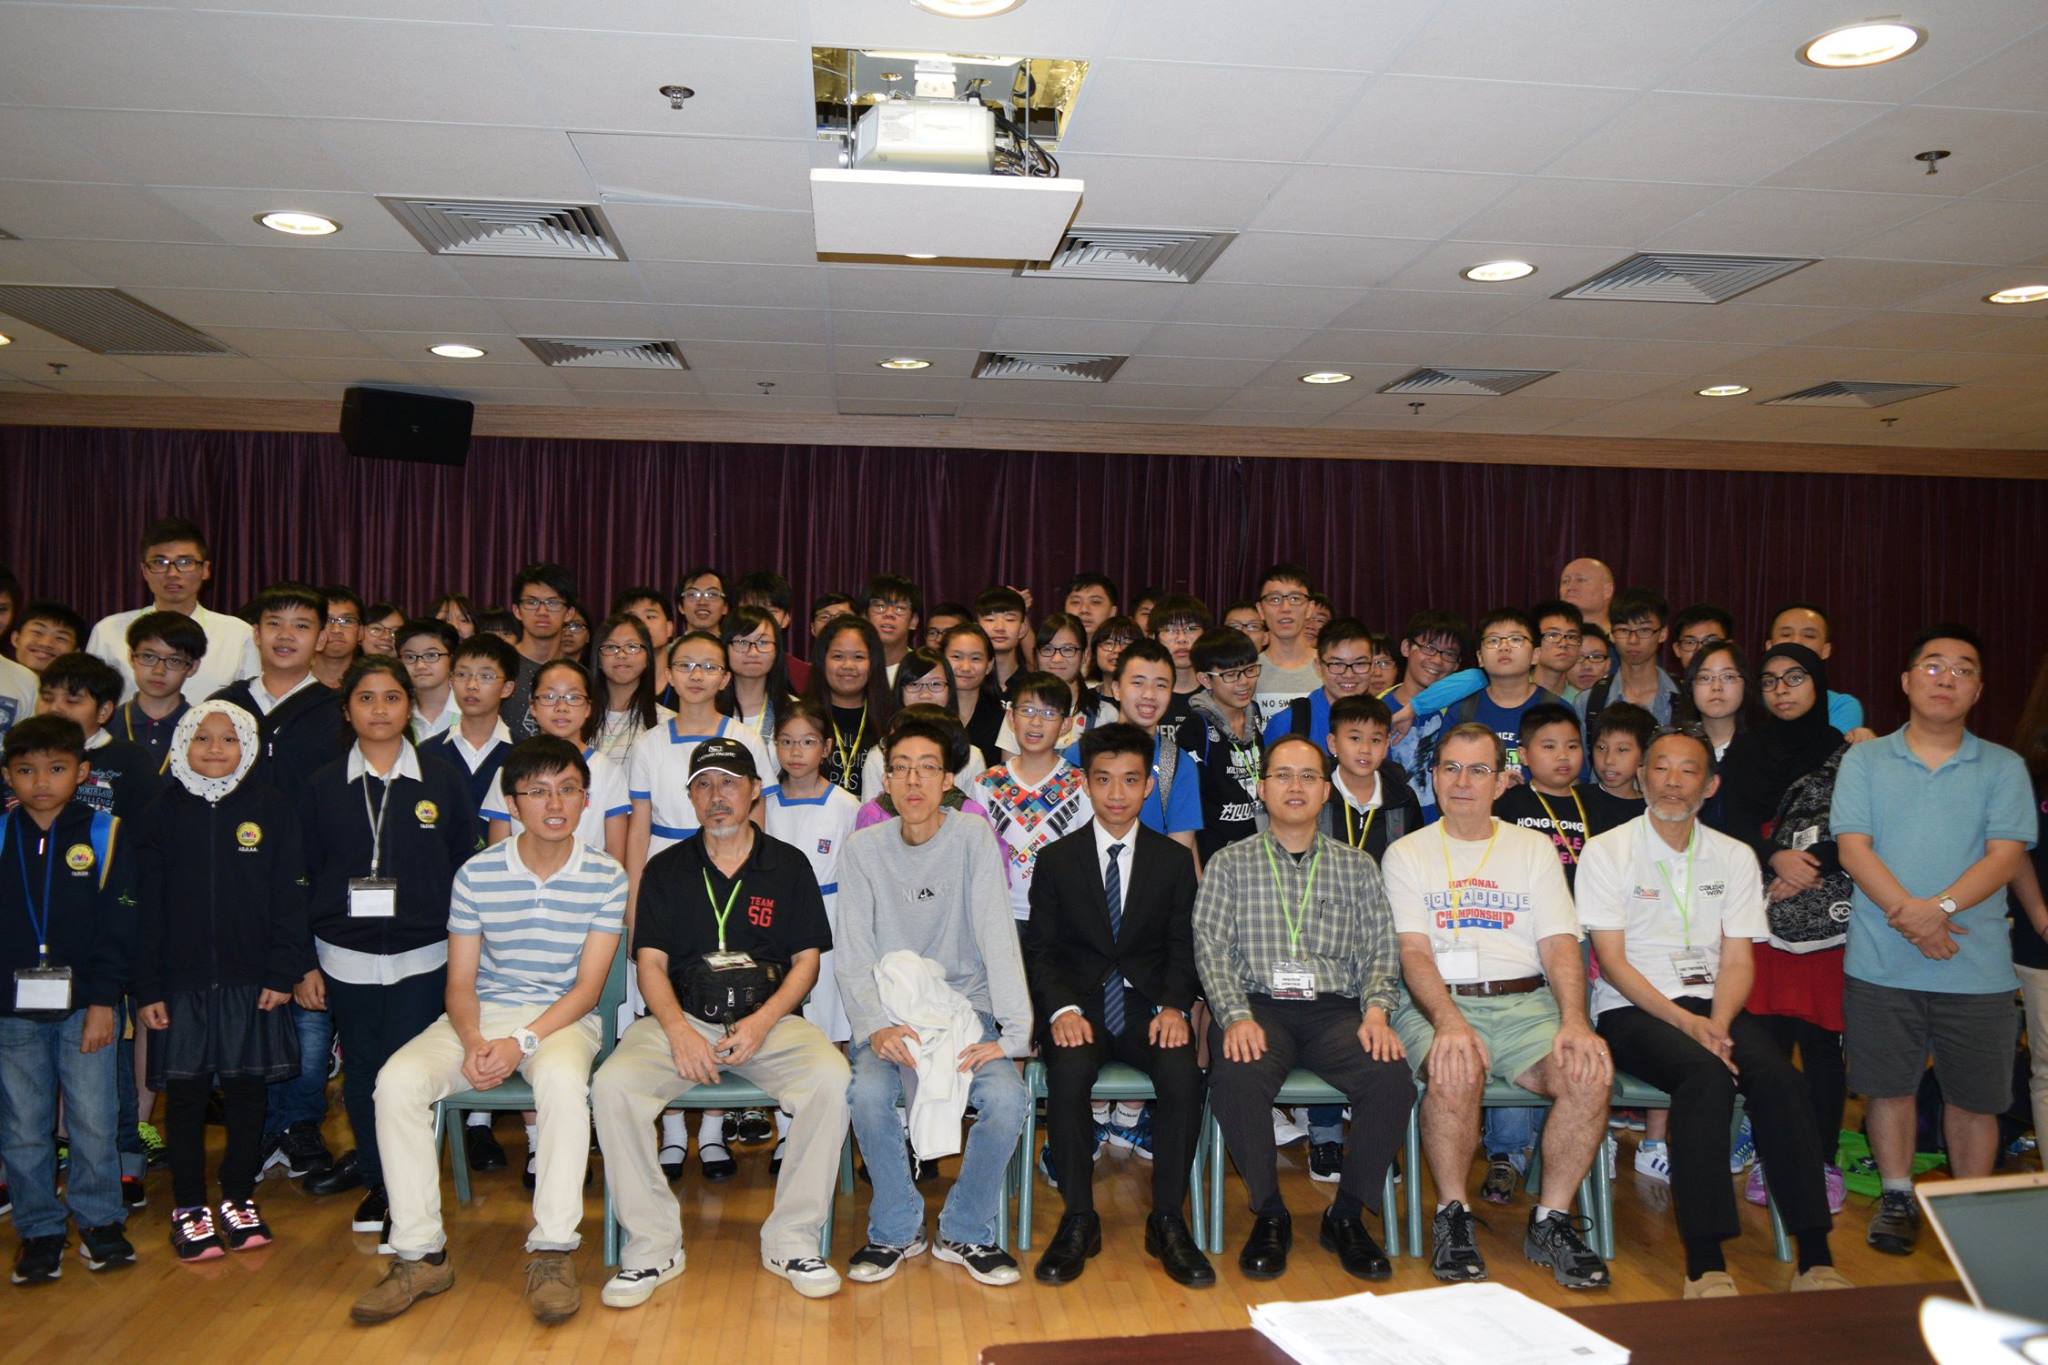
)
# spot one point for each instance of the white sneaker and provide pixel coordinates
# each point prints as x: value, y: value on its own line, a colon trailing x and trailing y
x: 1286, y: 1131
x: 1653, y: 1159
x: 810, y: 1277
x: 631, y: 1288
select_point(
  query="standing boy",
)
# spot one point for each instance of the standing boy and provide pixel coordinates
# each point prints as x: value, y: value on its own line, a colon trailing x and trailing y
x: 163, y: 650
x: 1037, y: 796
x: 176, y: 565
x: 426, y: 649
x: 480, y: 679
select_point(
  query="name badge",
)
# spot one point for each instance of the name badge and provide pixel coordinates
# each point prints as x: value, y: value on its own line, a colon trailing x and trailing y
x: 42, y: 988
x: 372, y: 898
x: 728, y: 962
x: 1457, y: 963
x: 1694, y: 967
x: 1804, y: 839
x: 1292, y: 981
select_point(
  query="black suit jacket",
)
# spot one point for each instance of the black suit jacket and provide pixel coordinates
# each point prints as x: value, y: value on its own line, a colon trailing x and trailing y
x: 1067, y: 948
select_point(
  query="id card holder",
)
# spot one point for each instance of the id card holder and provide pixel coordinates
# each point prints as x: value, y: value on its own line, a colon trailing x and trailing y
x: 1806, y: 838
x: 372, y: 898
x: 1292, y: 981
x: 42, y: 988
x: 1457, y: 963
x: 1693, y: 966
x: 728, y: 962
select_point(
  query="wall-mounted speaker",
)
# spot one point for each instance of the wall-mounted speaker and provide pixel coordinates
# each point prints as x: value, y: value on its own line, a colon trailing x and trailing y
x: 384, y: 424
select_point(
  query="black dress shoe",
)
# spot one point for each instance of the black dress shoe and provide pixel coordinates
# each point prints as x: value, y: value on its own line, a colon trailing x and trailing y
x: 1066, y: 1256
x: 372, y: 1214
x: 1167, y: 1238
x: 1265, y: 1252
x: 1356, y: 1251
x: 484, y: 1152
x: 342, y: 1176
x: 717, y: 1161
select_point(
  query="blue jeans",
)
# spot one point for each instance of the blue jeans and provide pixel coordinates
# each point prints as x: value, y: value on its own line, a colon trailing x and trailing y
x: 1325, y: 1124
x: 38, y: 1061
x: 304, y: 1097
x: 1514, y: 1131
x: 976, y: 1199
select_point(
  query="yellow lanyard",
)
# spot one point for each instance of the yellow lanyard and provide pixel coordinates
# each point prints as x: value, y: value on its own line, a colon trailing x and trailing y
x: 1451, y: 877
x: 1299, y: 915
x: 848, y: 757
x: 1564, y: 843
x: 1364, y: 832
x: 721, y: 915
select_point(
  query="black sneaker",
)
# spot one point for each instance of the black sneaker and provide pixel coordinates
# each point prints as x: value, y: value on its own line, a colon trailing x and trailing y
x: 372, y: 1213
x: 105, y: 1248
x: 1455, y: 1256
x: 879, y: 1260
x: 1501, y: 1179
x: 1555, y: 1242
x: 243, y: 1226
x: 194, y: 1236
x: 6, y: 1200
x: 756, y: 1126
x: 132, y: 1192
x: 304, y: 1151
x: 1895, y: 1226
x: 481, y: 1148
x: 39, y: 1259
x: 1325, y: 1161
x: 986, y: 1262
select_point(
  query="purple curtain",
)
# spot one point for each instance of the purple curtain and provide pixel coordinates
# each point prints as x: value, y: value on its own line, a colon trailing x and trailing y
x: 1884, y: 555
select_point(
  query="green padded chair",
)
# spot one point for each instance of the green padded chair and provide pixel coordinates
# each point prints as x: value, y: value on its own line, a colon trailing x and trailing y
x: 1116, y: 1081
x: 1636, y: 1094
x: 1300, y: 1087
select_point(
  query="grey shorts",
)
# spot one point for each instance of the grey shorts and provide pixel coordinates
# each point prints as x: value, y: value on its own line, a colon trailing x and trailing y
x: 1889, y: 1033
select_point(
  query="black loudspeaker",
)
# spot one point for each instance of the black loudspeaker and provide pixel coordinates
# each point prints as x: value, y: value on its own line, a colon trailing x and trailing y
x: 383, y: 424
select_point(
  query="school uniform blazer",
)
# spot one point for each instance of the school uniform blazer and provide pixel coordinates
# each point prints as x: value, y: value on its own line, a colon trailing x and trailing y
x: 301, y: 735
x: 1068, y: 952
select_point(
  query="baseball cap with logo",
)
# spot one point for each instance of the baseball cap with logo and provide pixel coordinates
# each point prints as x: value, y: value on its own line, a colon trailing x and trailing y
x: 727, y: 756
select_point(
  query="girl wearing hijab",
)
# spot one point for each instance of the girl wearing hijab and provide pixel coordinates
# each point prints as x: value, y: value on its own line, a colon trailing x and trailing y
x: 1777, y: 782
x: 222, y: 918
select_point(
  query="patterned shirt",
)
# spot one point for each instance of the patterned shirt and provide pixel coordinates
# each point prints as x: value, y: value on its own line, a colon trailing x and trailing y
x: 1027, y: 818
x: 533, y: 930
x: 1346, y: 929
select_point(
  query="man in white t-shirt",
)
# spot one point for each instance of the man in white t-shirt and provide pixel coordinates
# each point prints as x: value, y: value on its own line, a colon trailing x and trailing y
x: 176, y: 564
x: 1288, y: 665
x: 1673, y: 908
x: 1486, y: 923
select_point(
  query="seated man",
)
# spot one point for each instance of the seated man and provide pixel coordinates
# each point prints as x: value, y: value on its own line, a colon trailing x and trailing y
x: 1298, y: 960
x: 1673, y: 908
x: 1476, y: 1007
x: 532, y: 926
x: 1111, y: 951
x: 715, y: 1004
x: 930, y: 883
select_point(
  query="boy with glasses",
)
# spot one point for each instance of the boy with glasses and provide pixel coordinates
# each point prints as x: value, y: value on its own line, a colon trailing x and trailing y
x: 381, y: 624
x: 1431, y: 646
x: 1696, y: 625
x: 541, y: 594
x: 700, y: 599
x: 1223, y: 739
x: 163, y: 649
x: 1243, y: 616
x: 479, y: 679
x: 427, y: 650
x: 1595, y: 662
x: 1037, y: 796
x: 893, y: 606
x: 341, y: 635
x: 1177, y: 622
x: 1638, y: 631
x: 1289, y: 659
x: 1343, y: 663
x: 176, y: 565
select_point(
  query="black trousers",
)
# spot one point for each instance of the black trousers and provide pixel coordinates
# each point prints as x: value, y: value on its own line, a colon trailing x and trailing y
x: 243, y: 1099
x: 373, y: 1022
x: 1176, y: 1118
x: 1820, y: 1062
x: 1321, y: 1035
x: 1702, y: 1115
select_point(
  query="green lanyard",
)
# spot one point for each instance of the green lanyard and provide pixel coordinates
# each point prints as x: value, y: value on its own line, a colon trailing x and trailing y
x: 1299, y: 914
x: 722, y: 915
x: 1684, y: 903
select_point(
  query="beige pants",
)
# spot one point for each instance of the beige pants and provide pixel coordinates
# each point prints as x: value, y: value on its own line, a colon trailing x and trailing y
x: 797, y: 1065
x: 2034, y: 989
x: 429, y: 1068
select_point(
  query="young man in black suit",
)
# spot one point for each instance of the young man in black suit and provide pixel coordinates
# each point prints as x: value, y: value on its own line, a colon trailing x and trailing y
x: 1111, y: 954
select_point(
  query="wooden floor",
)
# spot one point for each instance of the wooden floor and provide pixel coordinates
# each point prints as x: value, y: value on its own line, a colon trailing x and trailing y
x: 289, y: 1301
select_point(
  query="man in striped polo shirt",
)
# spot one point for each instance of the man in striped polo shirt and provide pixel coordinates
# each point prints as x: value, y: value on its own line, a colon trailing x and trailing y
x: 532, y: 927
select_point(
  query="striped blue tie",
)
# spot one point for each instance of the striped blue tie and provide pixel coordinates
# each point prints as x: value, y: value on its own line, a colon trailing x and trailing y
x: 1113, y: 989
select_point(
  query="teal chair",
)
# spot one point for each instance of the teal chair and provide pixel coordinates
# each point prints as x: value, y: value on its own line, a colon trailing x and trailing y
x: 1301, y: 1087
x: 1116, y: 1081
x: 1631, y: 1093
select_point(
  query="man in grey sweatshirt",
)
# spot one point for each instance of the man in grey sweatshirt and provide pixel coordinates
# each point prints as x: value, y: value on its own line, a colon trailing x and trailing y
x: 931, y: 883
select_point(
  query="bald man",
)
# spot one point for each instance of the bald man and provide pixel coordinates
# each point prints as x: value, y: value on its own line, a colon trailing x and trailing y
x: 1588, y: 585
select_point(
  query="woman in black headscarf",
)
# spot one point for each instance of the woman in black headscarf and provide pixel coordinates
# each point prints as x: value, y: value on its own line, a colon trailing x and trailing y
x: 1777, y: 782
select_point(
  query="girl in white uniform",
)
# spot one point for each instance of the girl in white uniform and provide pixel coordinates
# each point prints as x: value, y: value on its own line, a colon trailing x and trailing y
x: 562, y: 707
x: 624, y: 682
x: 815, y: 816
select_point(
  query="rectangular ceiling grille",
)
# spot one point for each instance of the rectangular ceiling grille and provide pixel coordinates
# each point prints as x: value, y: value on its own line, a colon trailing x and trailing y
x: 601, y: 353
x: 106, y: 321
x: 476, y: 227
x: 1684, y: 277
x: 1081, y: 369
x: 1851, y: 393
x: 1470, y: 383
x: 1167, y: 255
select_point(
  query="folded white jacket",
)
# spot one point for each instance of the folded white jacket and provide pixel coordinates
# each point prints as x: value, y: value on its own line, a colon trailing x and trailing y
x: 914, y: 992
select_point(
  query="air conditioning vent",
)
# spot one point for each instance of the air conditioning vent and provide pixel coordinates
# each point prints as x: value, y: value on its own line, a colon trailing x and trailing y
x: 1072, y: 369
x: 894, y: 407
x: 1851, y: 393
x: 1471, y: 383
x: 605, y: 353
x: 105, y: 321
x: 1684, y: 277
x: 1167, y: 256
x: 478, y: 227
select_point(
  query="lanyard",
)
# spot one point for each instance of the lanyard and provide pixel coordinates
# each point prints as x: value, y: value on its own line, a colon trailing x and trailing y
x: 1684, y: 903
x: 848, y: 757
x: 1365, y: 832
x: 1299, y: 914
x: 1451, y: 877
x: 720, y: 915
x: 39, y: 924
x: 377, y: 820
x: 1564, y: 843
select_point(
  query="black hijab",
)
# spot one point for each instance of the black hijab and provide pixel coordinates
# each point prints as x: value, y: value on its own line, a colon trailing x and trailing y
x: 1769, y: 756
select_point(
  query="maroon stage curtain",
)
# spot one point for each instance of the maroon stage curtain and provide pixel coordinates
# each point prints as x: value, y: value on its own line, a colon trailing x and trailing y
x: 1884, y: 555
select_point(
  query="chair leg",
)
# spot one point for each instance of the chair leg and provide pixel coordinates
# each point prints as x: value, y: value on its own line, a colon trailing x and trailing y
x: 1781, y: 1246
x: 1003, y: 1209
x: 1215, y: 1183
x: 846, y: 1165
x: 1028, y: 1177
x: 1390, y: 1215
x: 1411, y: 1161
x: 611, y: 1225
x: 458, y: 1155
x: 1198, y: 1185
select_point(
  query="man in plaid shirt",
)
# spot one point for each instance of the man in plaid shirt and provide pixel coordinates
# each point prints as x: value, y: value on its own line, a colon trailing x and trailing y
x: 1296, y: 948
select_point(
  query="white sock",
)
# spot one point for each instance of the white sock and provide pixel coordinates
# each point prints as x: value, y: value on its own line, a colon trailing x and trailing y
x: 710, y: 1129
x: 1543, y: 1212
x: 532, y: 1137
x: 1128, y: 1112
x: 480, y: 1118
x: 1100, y: 1109
x: 675, y: 1131
x: 781, y: 1124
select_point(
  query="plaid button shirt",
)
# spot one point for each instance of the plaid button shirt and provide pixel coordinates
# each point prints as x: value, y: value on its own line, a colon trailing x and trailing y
x: 1347, y: 929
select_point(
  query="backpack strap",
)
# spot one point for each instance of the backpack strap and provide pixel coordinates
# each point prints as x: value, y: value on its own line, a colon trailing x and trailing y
x: 1468, y: 709
x: 1299, y: 716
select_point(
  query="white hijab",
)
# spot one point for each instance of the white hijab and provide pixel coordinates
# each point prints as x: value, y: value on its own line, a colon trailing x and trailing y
x: 212, y: 789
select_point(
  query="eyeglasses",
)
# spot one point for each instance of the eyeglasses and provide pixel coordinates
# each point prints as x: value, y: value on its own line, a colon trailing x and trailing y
x: 746, y: 646
x: 798, y: 744
x: 1594, y: 656
x: 1727, y: 677
x: 1254, y: 626
x: 688, y: 667
x: 1561, y: 637
x: 344, y: 621
x: 561, y: 698
x: 1697, y: 641
x: 888, y: 608
x: 702, y: 595
x: 1037, y: 713
x: 568, y: 791
x: 923, y: 772
x: 486, y: 676
x: 1504, y: 641
x: 547, y: 604
x: 1798, y: 677
x: 1934, y: 669
x: 1248, y: 673
x: 1181, y: 628
x: 1295, y: 777
x: 151, y: 661
x: 1059, y: 651
x: 1285, y: 599
x: 1478, y: 772
x: 1447, y: 654
x: 576, y: 628
x: 1348, y: 668
x: 622, y: 651
x: 1635, y: 633
x: 1115, y: 642
x: 165, y: 563
x: 422, y: 656
x: 934, y: 686
x: 382, y: 632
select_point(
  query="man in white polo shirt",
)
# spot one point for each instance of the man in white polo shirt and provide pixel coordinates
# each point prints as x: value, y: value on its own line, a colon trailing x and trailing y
x: 176, y: 564
x: 1673, y: 908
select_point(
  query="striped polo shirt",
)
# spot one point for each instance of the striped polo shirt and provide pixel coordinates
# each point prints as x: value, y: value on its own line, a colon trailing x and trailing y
x: 533, y: 930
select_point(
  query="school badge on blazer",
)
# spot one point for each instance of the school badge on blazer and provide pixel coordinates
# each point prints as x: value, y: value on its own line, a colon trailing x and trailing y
x: 249, y: 834
x: 79, y: 857
x: 427, y: 813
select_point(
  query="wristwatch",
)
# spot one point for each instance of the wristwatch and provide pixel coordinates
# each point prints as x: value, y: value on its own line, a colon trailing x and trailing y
x: 1948, y: 905
x: 528, y: 1040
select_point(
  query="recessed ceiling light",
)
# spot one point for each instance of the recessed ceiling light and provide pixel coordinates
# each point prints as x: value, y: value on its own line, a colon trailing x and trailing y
x: 457, y: 350
x: 904, y: 362
x: 6, y: 340
x: 2020, y: 293
x: 294, y: 224
x: 1494, y: 272
x: 1862, y: 45
x: 967, y: 9
x: 922, y: 255
x: 1724, y: 390
x: 1326, y: 377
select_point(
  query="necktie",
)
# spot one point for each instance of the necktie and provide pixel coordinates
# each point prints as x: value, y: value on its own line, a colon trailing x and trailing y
x: 1113, y: 989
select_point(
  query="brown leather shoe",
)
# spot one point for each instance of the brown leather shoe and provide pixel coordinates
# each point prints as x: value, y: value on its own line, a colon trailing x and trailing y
x: 405, y: 1284
x: 1819, y: 1277
x: 551, y: 1289
x: 1715, y: 1284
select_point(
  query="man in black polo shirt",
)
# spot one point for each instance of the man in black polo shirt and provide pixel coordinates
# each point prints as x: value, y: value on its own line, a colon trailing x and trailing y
x: 729, y: 931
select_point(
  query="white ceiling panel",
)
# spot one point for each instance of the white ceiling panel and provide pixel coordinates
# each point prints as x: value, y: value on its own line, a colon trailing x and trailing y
x: 1978, y: 231
x: 1674, y: 357
x: 241, y: 308
x: 760, y: 286
x: 124, y: 265
x: 1043, y: 28
x: 454, y: 160
x: 809, y: 326
x: 411, y: 313
x: 1617, y: 213
x: 781, y: 383
x: 1278, y: 33
x: 1751, y: 323
x: 1143, y: 191
x: 285, y: 344
x: 717, y: 172
x: 562, y: 317
x: 1986, y: 147
x: 1050, y: 297
x: 1344, y: 349
x: 229, y: 215
x: 746, y: 87
x: 1378, y: 203
x: 612, y: 281
x: 1263, y: 305
x: 1283, y: 374
x: 366, y: 272
x: 1789, y: 222
x: 1901, y: 331
x: 1432, y: 310
x: 847, y: 358
x: 1243, y: 343
x: 1313, y: 260
x: 1441, y: 267
x: 165, y: 149
x: 1462, y: 125
x: 753, y: 19
x: 1501, y: 350
x: 689, y: 233
x: 41, y: 263
x: 908, y: 331
x: 1590, y: 42
x: 1709, y: 138
x: 34, y: 208
x: 84, y: 56
x: 1204, y: 370
x: 1068, y: 335
x: 1258, y: 113
x: 913, y: 289
x: 429, y: 72
x: 1962, y: 289
x: 2008, y: 79
x: 751, y: 355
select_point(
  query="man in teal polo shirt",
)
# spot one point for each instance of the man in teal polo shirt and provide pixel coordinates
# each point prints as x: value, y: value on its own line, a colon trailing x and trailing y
x: 1932, y: 822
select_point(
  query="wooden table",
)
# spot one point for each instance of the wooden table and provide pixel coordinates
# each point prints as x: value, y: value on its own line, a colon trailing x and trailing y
x: 1869, y: 1326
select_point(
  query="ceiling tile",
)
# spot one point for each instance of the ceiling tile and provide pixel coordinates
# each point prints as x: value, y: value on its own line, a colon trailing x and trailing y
x: 1962, y: 288
x: 1156, y: 192
x: 1345, y: 349
x: 124, y: 265
x: 1610, y: 213
x: 1378, y: 203
x: 281, y: 343
x: 719, y: 172
x: 1049, y: 28
x: 662, y: 233
x: 339, y: 68
x: 2008, y: 79
x: 1432, y: 310
x: 847, y: 358
x: 1268, y: 114
x: 1673, y: 357
x: 108, y: 58
x: 365, y: 272
x: 408, y: 313
x: 1068, y: 335
x: 927, y: 289
x: 754, y: 355
x: 754, y: 19
x: 1207, y: 370
x: 1245, y: 343
x: 240, y: 308
x: 910, y: 330
x: 781, y: 383
x: 746, y: 87
x: 1597, y: 42
x: 1435, y: 123
x: 1041, y: 296
x: 1861, y: 283
x: 455, y: 161
x: 229, y: 215
x: 1311, y: 259
x: 1263, y: 305
x: 1306, y: 33
x: 1441, y: 267
x: 1709, y: 138
x: 1986, y: 147
x: 614, y: 281
x: 1788, y: 222
x: 809, y: 326
x: 559, y: 317
x: 33, y: 208
x: 769, y: 286
x: 1980, y: 231
x: 165, y: 149
x: 41, y: 263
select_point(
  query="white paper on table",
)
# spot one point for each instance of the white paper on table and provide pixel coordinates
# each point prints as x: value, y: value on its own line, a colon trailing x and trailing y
x: 1478, y: 1324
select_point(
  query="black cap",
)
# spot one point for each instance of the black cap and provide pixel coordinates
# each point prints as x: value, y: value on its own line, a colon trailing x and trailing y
x: 727, y: 756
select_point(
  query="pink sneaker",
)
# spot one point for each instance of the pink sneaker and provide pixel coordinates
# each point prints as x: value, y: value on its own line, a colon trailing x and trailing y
x: 1838, y: 1189
x: 1756, y: 1192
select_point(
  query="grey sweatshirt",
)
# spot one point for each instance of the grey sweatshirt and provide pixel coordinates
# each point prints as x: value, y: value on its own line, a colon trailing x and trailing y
x: 944, y: 899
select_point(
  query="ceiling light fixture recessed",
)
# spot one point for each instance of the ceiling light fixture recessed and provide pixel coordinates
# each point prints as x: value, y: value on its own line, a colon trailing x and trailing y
x: 1326, y: 377
x: 1862, y: 45
x: 457, y: 350
x: 904, y: 362
x: 6, y: 340
x: 922, y: 255
x: 295, y: 224
x: 1497, y: 272
x: 2020, y: 293
x: 967, y: 9
x: 1724, y: 390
